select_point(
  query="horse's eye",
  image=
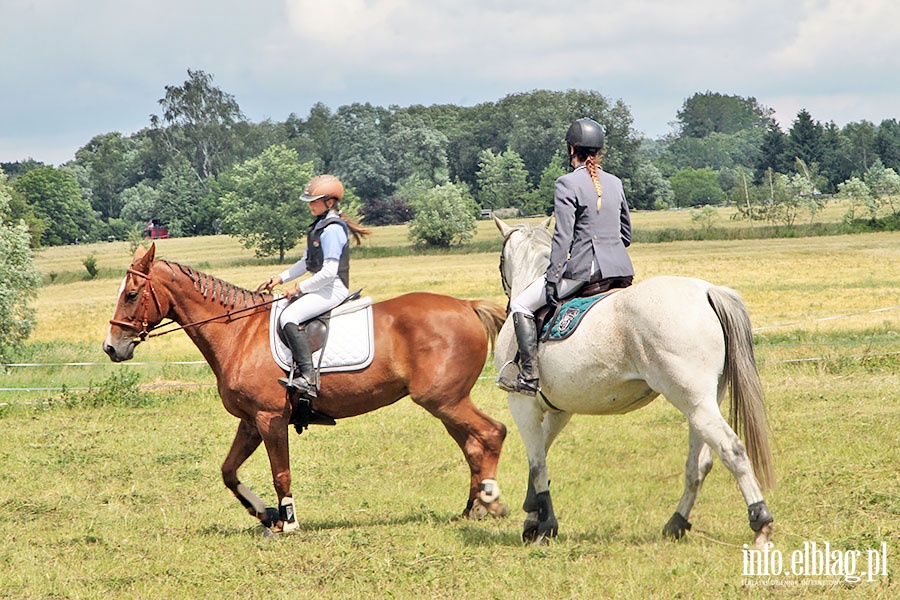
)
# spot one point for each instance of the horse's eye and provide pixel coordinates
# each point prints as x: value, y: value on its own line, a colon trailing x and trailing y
x: 131, y: 296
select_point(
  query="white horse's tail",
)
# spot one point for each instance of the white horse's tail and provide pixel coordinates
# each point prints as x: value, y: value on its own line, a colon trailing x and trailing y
x: 748, y: 410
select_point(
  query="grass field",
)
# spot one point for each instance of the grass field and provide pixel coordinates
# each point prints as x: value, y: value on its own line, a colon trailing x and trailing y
x: 115, y: 493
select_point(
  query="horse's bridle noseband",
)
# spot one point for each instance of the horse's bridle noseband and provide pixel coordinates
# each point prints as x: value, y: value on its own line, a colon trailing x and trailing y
x: 144, y: 328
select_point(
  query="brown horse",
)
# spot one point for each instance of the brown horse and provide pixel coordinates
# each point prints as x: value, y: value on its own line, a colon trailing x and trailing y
x: 427, y: 346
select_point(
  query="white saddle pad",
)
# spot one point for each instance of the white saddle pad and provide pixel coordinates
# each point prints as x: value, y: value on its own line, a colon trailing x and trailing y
x: 350, y: 345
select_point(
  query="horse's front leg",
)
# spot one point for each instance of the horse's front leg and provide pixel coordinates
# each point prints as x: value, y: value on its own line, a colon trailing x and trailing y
x: 273, y: 427
x: 538, y: 430
x: 246, y: 441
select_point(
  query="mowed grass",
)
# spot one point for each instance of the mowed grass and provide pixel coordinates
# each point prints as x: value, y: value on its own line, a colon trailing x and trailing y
x: 125, y: 501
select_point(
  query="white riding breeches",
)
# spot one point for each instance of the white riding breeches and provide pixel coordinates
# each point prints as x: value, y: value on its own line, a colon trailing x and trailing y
x: 533, y: 297
x: 314, y: 303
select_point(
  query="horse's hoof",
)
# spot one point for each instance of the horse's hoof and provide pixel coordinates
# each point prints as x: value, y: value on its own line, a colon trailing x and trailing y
x: 676, y: 527
x: 270, y: 518
x: 764, y: 536
x: 536, y: 532
x: 481, y: 510
x: 477, y: 512
x: 543, y: 539
x: 498, y: 509
x: 530, y: 527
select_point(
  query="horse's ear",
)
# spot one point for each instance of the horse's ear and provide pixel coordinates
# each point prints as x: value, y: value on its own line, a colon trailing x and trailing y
x: 143, y: 259
x: 546, y: 222
x: 505, y: 229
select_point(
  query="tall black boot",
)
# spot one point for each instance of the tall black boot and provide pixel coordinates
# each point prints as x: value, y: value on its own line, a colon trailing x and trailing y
x: 526, y: 336
x: 303, y: 375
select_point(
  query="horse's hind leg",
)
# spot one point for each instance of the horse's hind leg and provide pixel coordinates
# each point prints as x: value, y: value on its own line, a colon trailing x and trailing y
x: 709, y: 423
x: 246, y: 441
x: 698, y: 465
x: 481, y: 439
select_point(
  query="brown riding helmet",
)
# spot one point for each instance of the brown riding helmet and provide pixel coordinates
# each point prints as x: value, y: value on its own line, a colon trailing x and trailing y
x: 323, y: 186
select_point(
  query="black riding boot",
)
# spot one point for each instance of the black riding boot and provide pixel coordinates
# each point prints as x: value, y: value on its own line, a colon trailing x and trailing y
x: 303, y: 376
x: 526, y: 336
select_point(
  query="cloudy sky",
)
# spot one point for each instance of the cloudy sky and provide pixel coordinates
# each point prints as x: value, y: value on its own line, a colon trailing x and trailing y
x: 73, y: 70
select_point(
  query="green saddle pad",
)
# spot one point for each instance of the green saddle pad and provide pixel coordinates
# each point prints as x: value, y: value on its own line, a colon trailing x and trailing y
x: 569, y: 317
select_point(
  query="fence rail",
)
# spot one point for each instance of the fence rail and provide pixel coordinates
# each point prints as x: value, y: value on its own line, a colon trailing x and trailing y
x: 8, y: 366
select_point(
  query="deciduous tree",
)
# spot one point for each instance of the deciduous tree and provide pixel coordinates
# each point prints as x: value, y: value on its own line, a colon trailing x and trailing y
x: 56, y: 199
x: 19, y: 279
x: 197, y: 122
x: 710, y: 112
x: 261, y: 202
x: 887, y: 143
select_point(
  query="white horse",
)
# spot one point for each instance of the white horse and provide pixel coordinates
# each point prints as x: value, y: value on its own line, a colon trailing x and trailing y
x: 683, y: 338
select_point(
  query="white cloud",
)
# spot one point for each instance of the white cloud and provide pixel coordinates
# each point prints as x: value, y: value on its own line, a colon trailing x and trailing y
x: 838, y: 34
x: 334, y: 23
x: 101, y: 65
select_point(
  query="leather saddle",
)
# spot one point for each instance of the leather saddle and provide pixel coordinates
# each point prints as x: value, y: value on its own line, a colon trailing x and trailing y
x: 317, y: 327
x: 303, y: 414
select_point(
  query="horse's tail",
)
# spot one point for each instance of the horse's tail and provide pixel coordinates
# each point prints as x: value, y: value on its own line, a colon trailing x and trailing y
x: 492, y: 317
x: 748, y: 410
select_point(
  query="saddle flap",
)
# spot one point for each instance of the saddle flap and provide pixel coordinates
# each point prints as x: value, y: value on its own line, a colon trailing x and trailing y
x: 560, y: 324
x: 348, y: 337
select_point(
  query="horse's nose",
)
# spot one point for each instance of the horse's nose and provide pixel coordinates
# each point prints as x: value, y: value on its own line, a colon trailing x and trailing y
x: 111, y: 352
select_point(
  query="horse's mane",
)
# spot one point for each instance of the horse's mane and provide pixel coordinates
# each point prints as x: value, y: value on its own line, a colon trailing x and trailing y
x: 541, y: 234
x: 539, y: 238
x: 531, y: 263
x: 214, y: 289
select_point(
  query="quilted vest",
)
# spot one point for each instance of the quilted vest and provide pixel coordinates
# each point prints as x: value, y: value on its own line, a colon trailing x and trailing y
x: 315, y: 258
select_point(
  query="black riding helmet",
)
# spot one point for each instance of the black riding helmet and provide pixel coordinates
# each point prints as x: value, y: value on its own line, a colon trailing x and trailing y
x: 585, y: 133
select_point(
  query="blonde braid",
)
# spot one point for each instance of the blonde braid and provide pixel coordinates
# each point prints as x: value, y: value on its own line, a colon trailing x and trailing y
x: 591, y: 164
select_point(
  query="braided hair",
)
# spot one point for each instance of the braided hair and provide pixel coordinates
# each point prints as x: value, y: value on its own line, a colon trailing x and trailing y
x: 591, y: 158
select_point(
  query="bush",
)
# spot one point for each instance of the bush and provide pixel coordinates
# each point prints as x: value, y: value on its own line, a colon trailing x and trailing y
x: 444, y: 215
x: 119, y: 389
x: 90, y: 263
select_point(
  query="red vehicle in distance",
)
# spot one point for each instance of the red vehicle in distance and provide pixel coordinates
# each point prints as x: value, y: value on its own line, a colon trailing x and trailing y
x: 155, y: 230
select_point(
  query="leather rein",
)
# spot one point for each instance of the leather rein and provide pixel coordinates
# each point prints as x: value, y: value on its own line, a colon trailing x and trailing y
x: 142, y: 326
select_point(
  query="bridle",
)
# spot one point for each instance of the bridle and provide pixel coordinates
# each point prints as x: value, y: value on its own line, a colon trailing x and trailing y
x: 144, y: 329
x: 142, y: 326
x: 506, y: 286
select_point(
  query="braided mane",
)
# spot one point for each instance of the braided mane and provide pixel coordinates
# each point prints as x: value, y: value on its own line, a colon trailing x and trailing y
x: 228, y: 295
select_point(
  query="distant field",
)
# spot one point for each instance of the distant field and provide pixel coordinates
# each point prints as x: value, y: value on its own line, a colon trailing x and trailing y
x: 100, y: 499
x: 211, y: 251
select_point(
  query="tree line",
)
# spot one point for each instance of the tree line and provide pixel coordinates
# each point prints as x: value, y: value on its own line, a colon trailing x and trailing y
x: 202, y: 167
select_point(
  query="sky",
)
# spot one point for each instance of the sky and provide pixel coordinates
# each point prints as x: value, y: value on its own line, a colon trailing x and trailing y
x: 73, y: 70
